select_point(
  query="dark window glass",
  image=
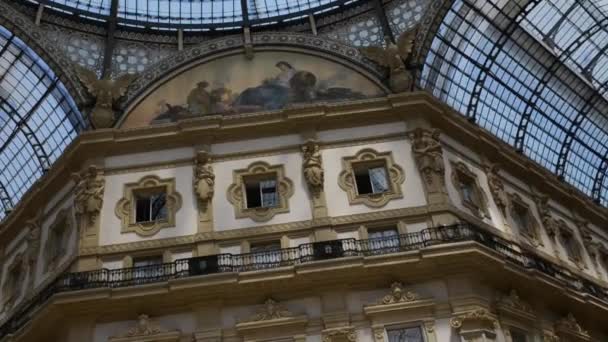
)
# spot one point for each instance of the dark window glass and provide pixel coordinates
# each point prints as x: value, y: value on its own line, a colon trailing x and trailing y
x: 151, y: 207
x: 518, y: 336
x: 371, y: 179
x: 412, y: 334
x: 261, y: 193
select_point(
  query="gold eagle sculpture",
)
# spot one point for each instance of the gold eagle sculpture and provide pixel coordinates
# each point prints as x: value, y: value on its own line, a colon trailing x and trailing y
x: 105, y: 91
x: 392, y: 56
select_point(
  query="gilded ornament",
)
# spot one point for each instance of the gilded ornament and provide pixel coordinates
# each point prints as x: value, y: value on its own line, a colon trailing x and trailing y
x: 392, y: 57
x: 312, y: 167
x: 398, y: 295
x: 88, y: 198
x: 105, y: 92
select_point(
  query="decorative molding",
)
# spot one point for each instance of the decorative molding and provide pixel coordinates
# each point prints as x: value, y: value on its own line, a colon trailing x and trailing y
x: 147, y: 330
x: 532, y: 232
x: 428, y: 154
x: 12, y: 293
x: 394, y: 172
x: 570, y: 330
x: 125, y: 207
x: 398, y: 295
x: 270, y: 310
x: 475, y: 325
x: 312, y: 168
x: 34, y: 232
x: 339, y: 334
x: 497, y: 187
x: 460, y: 173
x: 549, y: 222
x: 478, y: 315
x: 570, y: 243
x: 513, y: 307
x: 204, y: 184
x: 88, y: 200
x: 236, y: 191
x: 54, y: 250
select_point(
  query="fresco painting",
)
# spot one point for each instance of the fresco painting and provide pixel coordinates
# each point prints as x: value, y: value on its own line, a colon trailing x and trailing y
x: 234, y: 84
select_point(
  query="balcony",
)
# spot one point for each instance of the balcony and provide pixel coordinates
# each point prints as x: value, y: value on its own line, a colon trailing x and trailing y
x: 303, y: 254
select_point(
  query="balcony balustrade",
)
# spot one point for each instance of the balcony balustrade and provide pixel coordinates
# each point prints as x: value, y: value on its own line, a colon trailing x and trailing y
x: 306, y: 253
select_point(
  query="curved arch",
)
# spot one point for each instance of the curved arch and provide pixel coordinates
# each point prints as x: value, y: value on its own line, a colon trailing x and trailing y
x: 35, y: 39
x: 38, y: 118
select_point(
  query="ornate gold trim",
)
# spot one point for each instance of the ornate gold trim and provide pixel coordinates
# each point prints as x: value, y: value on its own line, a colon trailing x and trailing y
x: 396, y: 177
x: 460, y: 171
x: 125, y: 210
x: 236, y: 191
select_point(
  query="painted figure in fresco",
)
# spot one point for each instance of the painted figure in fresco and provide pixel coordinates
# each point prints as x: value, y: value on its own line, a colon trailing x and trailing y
x: 199, y: 99
x: 392, y: 57
x: 287, y: 72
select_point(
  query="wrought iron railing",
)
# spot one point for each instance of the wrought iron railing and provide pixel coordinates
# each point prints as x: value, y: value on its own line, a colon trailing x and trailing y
x: 310, y: 252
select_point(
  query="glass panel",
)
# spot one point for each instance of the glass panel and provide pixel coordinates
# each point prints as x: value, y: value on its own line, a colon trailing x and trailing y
x: 159, y: 207
x: 413, y: 334
x: 268, y: 191
x: 378, y: 179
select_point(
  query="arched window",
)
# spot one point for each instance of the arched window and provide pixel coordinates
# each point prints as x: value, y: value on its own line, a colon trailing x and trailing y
x: 38, y: 119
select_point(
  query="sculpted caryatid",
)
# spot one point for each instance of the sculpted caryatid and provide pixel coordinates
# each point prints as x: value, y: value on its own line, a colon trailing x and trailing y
x: 204, y: 177
x: 393, y: 57
x: 106, y: 92
x: 497, y: 188
x: 313, y: 166
x: 88, y: 198
x: 429, y: 158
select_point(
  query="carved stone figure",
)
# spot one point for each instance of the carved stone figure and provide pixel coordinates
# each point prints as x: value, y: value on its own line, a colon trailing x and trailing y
x: 428, y: 154
x: 497, y: 188
x: 513, y: 301
x: 33, y: 239
x: 204, y: 177
x: 550, y: 223
x: 271, y: 310
x: 392, y: 57
x: 313, y: 166
x: 398, y: 295
x: 569, y: 323
x: 88, y: 198
x: 106, y: 92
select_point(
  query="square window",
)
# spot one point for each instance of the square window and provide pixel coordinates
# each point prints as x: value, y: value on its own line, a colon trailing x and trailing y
x: 150, y: 206
x: 261, y: 192
x: 411, y: 334
x: 371, y: 178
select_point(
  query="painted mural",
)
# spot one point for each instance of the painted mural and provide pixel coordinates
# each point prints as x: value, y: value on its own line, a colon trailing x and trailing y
x: 234, y: 84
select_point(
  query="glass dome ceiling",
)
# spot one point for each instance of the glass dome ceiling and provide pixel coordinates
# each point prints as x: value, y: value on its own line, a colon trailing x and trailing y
x: 535, y: 76
x: 194, y: 14
x: 38, y: 119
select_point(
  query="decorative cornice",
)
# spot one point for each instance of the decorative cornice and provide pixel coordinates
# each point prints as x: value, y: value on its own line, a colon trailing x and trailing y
x: 269, y: 311
x: 146, y: 329
x: 398, y: 295
x: 479, y: 315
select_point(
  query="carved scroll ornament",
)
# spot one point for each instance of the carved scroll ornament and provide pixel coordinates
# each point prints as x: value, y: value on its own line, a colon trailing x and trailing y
x: 398, y: 295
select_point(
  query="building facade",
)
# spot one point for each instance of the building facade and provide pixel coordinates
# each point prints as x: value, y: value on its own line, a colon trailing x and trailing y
x: 295, y: 184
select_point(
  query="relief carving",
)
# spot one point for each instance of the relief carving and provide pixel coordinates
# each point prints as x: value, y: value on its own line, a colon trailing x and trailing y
x: 569, y: 326
x: 476, y: 325
x: 398, y: 295
x: 33, y: 247
x: 146, y: 330
x: 497, y: 188
x: 204, y: 184
x: 312, y: 167
x: 428, y: 154
x: 88, y: 197
x: 271, y: 310
x: 340, y: 334
x: 105, y: 92
x: 392, y: 57
x: 550, y: 223
x: 513, y: 301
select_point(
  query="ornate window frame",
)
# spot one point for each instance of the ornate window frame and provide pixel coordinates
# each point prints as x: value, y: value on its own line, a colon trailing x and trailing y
x: 125, y: 208
x: 532, y: 234
x: 395, y: 175
x: 515, y: 314
x: 566, y: 236
x: 10, y: 295
x: 402, y: 308
x: 236, y: 191
x: 62, y: 218
x: 462, y: 172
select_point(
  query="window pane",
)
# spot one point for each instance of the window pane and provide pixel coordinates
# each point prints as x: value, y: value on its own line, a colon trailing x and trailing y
x: 378, y: 179
x: 142, y: 209
x: 518, y: 336
x: 405, y: 335
x: 270, y: 197
x: 159, y: 207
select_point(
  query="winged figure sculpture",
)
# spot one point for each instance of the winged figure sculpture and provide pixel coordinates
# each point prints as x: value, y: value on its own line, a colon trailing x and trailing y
x: 105, y: 91
x: 392, y: 56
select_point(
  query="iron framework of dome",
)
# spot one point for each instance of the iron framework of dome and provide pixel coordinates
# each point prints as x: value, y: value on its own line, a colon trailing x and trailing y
x: 536, y: 76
